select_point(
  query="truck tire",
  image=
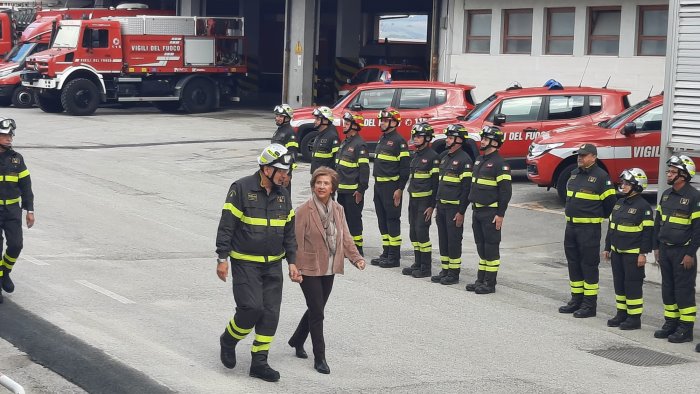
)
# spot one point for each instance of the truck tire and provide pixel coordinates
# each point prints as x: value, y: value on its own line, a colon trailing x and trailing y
x: 562, y: 179
x: 199, y: 95
x: 306, y: 144
x: 167, y: 106
x: 80, y: 97
x: 49, y: 102
x: 22, y: 97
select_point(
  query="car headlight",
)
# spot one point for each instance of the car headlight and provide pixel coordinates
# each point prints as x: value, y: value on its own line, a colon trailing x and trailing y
x: 537, y: 150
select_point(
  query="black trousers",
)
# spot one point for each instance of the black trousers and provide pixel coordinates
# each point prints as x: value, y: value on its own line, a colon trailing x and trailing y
x: 11, y: 227
x: 582, y: 250
x: 487, y: 239
x: 419, y: 229
x: 257, y: 290
x: 627, y: 280
x: 316, y: 290
x: 353, y: 214
x: 677, y: 284
x: 388, y: 216
x: 449, y: 236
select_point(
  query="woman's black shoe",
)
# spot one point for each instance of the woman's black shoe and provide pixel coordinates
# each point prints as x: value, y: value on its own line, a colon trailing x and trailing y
x: 321, y: 366
x: 300, y: 352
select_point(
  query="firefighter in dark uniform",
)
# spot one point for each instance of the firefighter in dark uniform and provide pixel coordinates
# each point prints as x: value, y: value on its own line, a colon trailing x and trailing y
x: 326, y: 144
x: 590, y: 198
x: 676, y: 242
x: 352, y: 165
x: 391, y: 170
x: 627, y: 243
x: 452, y: 202
x: 489, y: 195
x: 285, y: 136
x: 422, y: 190
x: 15, y: 195
x: 255, y: 233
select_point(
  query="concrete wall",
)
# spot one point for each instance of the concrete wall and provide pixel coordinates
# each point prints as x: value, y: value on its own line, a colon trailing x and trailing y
x: 301, y: 66
x: 496, y: 71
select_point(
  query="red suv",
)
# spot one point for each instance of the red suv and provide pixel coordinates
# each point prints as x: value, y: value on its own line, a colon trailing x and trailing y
x: 417, y: 101
x: 531, y: 111
x: 383, y: 73
x: 630, y: 139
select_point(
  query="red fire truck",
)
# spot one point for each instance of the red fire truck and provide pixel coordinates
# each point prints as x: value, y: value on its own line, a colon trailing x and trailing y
x: 12, y: 23
x: 35, y: 38
x: 171, y: 61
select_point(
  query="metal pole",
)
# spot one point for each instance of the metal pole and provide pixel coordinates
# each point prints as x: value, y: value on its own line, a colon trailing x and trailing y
x: 11, y: 385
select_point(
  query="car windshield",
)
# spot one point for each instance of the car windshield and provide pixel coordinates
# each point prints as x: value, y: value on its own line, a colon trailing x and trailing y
x: 407, y: 75
x: 18, y: 53
x: 621, y: 118
x: 341, y: 98
x: 67, y: 37
x: 480, y: 108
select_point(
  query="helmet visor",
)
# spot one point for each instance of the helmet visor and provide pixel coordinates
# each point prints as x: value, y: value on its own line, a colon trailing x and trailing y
x: 282, y: 162
x: 7, y: 126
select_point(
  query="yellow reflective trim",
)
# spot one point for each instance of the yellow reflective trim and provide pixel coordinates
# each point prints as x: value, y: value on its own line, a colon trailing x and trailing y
x: 621, y: 306
x: 10, y: 259
x: 584, y: 220
x: 255, y: 258
x: 620, y: 297
x: 292, y: 144
x: 422, y: 194
x: 419, y: 175
x: 671, y: 314
x: 348, y: 164
x: 357, y: 237
x: 241, y: 330
x: 435, y: 170
x: 695, y: 215
x: 590, y: 292
x: 452, y: 179
x: 466, y: 174
x: 688, y: 310
x: 323, y: 155
x: 264, y: 338
x: 444, y: 258
x: 492, y: 205
x: 607, y: 193
x: 688, y: 318
x: 584, y: 196
x: 590, y: 285
x: 9, y: 202
x: 233, y: 334
x: 638, y: 301
x: 404, y: 153
x: 335, y: 149
x: 627, y: 251
x: 235, y: 211
x: 363, y: 160
x: 259, y: 348
x: 578, y: 283
x: 626, y: 229
x: 635, y: 311
x: 291, y: 215
x: 679, y: 220
x: 451, y: 202
x: 504, y: 177
x: 486, y: 182
x: 348, y: 187
x: 23, y: 174
x: 6, y: 264
x: 384, y: 157
x: 387, y: 178
x: 576, y: 290
x: 648, y: 223
x: 9, y: 178
x: 672, y: 307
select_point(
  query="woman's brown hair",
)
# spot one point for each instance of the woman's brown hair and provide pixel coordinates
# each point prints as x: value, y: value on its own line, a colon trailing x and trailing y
x: 323, y: 170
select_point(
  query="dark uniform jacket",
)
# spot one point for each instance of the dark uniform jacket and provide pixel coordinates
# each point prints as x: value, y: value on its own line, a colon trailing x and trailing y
x: 352, y: 165
x: 631, y: 226
x: 455, y: 179
x: 324, y: 149
x: 392, y: 161
x: 15, y: 182
x: 491, y: 183
x: 286, y: 137
x: 678, y: 218
x: 590, y: 195
x: 425, y: 175
x: 255, y: 226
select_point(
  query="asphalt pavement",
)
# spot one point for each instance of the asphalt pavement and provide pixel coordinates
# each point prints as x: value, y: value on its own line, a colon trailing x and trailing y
x: 117, y: 289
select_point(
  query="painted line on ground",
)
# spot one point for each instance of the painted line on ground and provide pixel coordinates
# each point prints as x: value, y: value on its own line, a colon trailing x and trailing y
x: 106, y: 292
x: 35, y: 261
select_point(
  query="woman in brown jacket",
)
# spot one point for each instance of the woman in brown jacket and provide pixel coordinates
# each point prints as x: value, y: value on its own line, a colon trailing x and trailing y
x: 324, y: 242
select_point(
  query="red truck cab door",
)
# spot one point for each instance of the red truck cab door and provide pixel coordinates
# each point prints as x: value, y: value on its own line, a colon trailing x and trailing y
x: 522, y: 125
x: 101, y: 47
x: 639, y: 146
x: 6, y: 33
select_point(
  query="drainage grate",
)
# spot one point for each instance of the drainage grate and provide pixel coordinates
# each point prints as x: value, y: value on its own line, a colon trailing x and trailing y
x: 639, y: 357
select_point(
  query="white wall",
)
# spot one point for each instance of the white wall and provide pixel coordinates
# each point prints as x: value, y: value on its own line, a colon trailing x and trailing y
x: 496, y: 71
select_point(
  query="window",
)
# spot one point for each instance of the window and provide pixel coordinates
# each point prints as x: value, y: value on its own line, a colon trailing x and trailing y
x: 373, y: 75
x: 521, y: 109
x: 414, y: 98
x: 404, y: 28
x: 440, y: 96
x: 595, y: 104
x: 650, y: 121
x: 360, y: 77
x: 604, y: 31
x: 376, y: 98
x: 95, y: 38
x: 653, y: 22
x: 565, y: 107
x: 560, y: 31
x: 517, y: 31
x: 478, y: 31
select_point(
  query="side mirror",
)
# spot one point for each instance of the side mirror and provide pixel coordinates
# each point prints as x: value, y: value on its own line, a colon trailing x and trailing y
x: 499, y: 119
x: 356, y: 107
x: 630, y: 128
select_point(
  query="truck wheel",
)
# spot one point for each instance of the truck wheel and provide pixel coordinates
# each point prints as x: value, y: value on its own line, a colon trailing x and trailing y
x: 199, y: 95
x: 22, y: 97
x: 167, y: 106
x: 49, y: 102
x: 307, y: 144
x: 80, y: 97
x: 563, y: 178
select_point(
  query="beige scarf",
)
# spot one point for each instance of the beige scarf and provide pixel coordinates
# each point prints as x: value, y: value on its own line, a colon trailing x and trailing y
x: 325, y: 211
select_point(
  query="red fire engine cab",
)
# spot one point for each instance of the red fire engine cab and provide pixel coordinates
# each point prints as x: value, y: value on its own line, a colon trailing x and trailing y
x: 172, y: 61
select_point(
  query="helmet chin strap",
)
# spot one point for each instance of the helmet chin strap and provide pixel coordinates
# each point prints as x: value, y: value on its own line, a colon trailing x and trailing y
x: 270, y: 178
x: 6, y: 147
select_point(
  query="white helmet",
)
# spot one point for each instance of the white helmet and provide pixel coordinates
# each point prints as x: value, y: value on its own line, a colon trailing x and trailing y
x: 7, y: 126
x: 635, y: 177
x: 275, y: 155
x: 324, y: 112
x: 284, y: 110
x: 683, y: 163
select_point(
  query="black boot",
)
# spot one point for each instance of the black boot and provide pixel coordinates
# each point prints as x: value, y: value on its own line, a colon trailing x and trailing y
x: 588, y: 307
x: 618, y: 319
x: 382, y: 257
x: 299, y: 350
x: 414, y: 266
x: 425, y: 269
x: 479, y: 281
x: 489, y: 285
x: 669, y: 327
x: 393, y: 259
x: 321, y: 366
x: 259, y: 368
x: 684, y: 333
x: 437, y: 278
x: 451, y: 278
x: 228, y: 350
x: 633, y: 322
x: 697, y: 348
x: 7, y: 283
x: 573, y: 305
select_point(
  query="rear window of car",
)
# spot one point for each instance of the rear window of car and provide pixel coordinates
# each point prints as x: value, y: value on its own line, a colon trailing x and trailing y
x: 414, y: 98
x: 407, y: 75
x: 595, y: 104
x: 566, y: 107
x: 375, y: 98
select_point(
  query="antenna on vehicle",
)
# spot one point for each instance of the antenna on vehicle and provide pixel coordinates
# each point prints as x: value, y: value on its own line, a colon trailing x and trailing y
x: 652, y: 88
x: 607, y: 82
x: 454, y: 81
x: 584, y: 72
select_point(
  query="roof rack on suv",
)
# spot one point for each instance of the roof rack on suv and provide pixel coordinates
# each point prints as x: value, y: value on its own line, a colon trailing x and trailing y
x: 514, y: 86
